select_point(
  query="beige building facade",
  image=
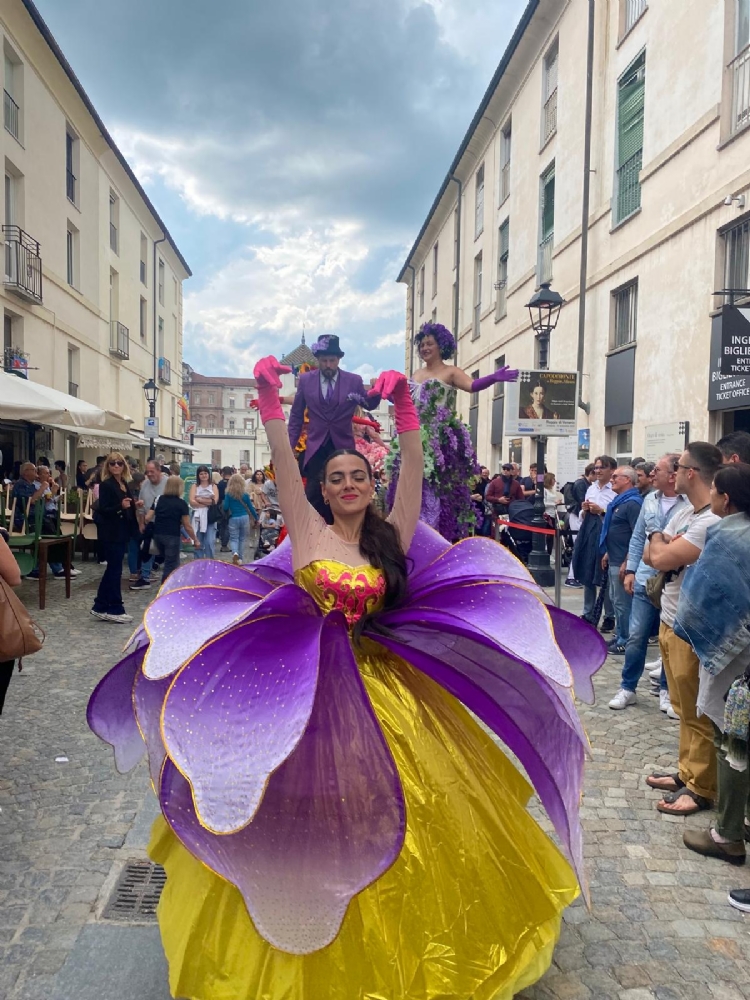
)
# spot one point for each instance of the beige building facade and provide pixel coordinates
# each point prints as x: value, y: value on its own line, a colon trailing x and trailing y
x: 92, y: 291
x: 668, y: 222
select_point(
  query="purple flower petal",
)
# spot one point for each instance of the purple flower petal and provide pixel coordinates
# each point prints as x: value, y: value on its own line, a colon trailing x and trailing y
x: 148, y: 698
x: 213, y: 573
x: 583, y: 648
x: 332, y: 819
x: 110, y: 712
x: 238, y: 708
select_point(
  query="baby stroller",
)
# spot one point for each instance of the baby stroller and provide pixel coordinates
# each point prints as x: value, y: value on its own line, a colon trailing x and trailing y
x: 271, y: 523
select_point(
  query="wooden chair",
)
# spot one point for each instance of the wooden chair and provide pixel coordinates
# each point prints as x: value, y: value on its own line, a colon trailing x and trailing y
x: 45, y: 546
x: 70, y: 518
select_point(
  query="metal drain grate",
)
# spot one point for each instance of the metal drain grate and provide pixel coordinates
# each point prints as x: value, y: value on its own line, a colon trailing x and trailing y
x: 136, y: 895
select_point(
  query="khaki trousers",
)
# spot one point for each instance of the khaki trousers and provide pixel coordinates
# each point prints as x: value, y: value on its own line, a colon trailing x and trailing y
x: 697, y: 754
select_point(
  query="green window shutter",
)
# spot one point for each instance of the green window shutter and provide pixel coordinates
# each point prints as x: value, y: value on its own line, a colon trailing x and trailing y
x: 548, y: 207
x: 504, y: 238
x: 630, y: 106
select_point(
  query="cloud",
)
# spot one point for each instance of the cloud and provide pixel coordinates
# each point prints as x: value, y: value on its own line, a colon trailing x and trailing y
x: 314, y: 133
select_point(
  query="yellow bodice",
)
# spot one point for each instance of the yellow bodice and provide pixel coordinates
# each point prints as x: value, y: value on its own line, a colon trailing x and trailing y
x: 355, y: 590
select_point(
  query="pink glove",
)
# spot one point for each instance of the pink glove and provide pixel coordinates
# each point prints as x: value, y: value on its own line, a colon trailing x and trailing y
x: 394, y: 386
x: 504, y: 374
x: 266, y: 374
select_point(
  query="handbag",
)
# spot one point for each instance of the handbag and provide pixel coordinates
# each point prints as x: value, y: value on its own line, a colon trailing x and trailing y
x: 19, y: 634
x: 655, y: 586
x: 214, y: 514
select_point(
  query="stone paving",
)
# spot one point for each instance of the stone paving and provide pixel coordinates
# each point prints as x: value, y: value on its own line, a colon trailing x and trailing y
x: 660, y: 926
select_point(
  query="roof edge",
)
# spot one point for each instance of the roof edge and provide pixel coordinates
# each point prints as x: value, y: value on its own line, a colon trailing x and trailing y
x: 49, y: 38
x: 497, y: 76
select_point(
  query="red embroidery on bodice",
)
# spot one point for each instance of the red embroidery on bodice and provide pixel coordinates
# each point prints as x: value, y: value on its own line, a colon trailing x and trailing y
x: 350, y: 591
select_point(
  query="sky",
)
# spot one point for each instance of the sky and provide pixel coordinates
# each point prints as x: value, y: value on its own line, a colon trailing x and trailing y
x: 293, y: 149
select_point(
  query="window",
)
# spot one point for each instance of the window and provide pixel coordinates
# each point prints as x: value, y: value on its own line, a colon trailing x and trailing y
x: 244, y: 457
x: 434, y: 270
x: 740, y: 68
x: 420, y: 290
x: 631, y: 90
x: 477, y: 296
x: 433, y: 318
x: 210, y: 399
x: 143, y: 322
x: 547, y: 227
x: 74, y: 370
x: 503, y: 243
x: 216, y: 459
x: 161, y: 282
x: 72, y: 164
x: 498, y: 408
x: 231, y: 426
x: 72, y: 255
x: 455, y: 238
x: 622, y: 439
x: 633, y: 9
x: 737, y: 256
x: 505, y: 137
x: 160, y: 344
x: 549, y: 95
x: 196, y: 399
x: 211, y: 421
x: 231, y: 402
x: 143, y: 266
x: 114, y: 294
x: 12, y: 92
x: 114, y: 222
x: 624, y: 315
x: 474, y: 412
x: 176, y: 290
x: 479, y: 203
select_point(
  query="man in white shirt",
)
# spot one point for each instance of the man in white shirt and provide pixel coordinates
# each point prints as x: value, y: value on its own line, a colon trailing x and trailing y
x: 586, y: 557
x: 671, y: 550
x: 152, y: 488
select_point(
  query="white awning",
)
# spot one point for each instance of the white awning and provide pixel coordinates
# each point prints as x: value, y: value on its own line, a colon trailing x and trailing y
x: 139, y: 441
x: 90, y: 437
x: 35, y: 403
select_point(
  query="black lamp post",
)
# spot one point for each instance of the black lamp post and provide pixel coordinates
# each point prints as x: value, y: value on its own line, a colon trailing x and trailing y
x: 544, y: 310
x: 151, y: 391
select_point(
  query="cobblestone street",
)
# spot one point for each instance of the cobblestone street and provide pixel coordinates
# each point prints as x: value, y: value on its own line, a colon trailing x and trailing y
x: 660, y: 926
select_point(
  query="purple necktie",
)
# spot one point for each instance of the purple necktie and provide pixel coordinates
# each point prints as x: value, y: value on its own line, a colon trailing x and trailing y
x: 329, y: 390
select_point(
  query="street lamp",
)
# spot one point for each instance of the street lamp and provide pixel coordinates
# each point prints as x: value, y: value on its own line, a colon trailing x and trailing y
x: 151, y: 391
x: 544, y: 311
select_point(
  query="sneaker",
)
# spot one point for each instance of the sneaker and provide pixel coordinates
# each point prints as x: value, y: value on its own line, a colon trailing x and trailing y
x: 61, y: 576
x: 653, y: 640
x: 140, y: 585
x: 664, y: 703
x: 574, y: 584
x: 236, y: 560
x: 608, y: 625
x: 99, y: 614
x: 118, y: 619
x: 622, y: 699
x: 740, y: 899
x: 615, y: 648
x: 671, y: 714
x: 33, y: 575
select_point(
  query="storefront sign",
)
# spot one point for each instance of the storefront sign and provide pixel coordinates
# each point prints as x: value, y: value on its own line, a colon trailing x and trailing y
x: 725, y: 392
x: 735, y: 341
x: 666, y: 439
x: 542, y: 403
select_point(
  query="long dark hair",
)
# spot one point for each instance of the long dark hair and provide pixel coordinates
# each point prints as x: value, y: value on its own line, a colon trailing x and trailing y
x: 380, y: 544
x: 733, y: 481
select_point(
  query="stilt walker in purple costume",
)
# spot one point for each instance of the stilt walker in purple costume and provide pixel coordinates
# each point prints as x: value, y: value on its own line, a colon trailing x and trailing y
x: 450, y: 461
x: 335, y: 825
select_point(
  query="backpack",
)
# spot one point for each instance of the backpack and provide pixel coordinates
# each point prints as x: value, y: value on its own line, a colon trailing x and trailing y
x: 569, y: 498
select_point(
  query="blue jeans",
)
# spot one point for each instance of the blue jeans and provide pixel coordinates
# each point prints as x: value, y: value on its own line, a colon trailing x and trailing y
x: 206, y: 538
x: 621, y: 602
x: 134, y: 555
x: 589, y: 600
x: 643, y: 615
x: 239, y: 528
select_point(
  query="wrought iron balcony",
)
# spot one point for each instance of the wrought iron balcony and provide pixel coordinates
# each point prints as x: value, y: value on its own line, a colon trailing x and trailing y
x: 70, y: 185
x: 740, y: 67
x: 249, y: 433
x: 72, y: 388
x: 165, y: 371
x: 16, y: 361
x: 119, y: 340
x: 545, y: 258
x: 549, y: 117
x: 23, y: 264
x: 10, y: 114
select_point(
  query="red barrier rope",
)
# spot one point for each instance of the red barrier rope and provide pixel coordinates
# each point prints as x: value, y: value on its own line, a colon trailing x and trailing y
x: 527, y: 527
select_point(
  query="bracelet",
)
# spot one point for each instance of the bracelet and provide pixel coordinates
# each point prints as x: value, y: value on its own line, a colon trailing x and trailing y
x: 655, y: 533
x: 629, y: 572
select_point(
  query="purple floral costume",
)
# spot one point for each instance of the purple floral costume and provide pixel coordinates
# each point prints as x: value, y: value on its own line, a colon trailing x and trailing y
x: 449, y: 460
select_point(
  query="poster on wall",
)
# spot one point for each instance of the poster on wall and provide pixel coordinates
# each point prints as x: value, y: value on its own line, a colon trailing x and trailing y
x: 542, y: 403
x: 515, y: 450
x: 584, y: 444
x: 665, y: 439
x: 568, y: 465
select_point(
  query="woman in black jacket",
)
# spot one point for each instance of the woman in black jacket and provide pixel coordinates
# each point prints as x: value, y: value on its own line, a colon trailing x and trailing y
x: 115, y: 523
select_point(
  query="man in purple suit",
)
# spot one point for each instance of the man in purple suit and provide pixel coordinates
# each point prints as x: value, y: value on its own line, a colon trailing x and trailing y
x: 325, y: 395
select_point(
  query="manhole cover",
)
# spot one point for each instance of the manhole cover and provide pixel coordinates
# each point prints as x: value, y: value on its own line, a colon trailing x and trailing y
x: 136, y: 895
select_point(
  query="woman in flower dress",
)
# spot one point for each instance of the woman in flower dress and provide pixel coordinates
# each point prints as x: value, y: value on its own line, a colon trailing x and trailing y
x: 336, y: 826
x: 450, y: 461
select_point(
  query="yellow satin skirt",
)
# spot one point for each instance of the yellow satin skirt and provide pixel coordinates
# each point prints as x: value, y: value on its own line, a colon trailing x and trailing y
x: 471, y: 909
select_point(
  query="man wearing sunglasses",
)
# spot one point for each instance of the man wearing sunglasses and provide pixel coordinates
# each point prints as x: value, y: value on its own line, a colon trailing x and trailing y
x: 671, y: 550
x: 586, y: 558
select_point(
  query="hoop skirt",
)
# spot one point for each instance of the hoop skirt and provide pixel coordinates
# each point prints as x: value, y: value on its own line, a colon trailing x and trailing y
x: 450, y: 463
x: 336, y: 825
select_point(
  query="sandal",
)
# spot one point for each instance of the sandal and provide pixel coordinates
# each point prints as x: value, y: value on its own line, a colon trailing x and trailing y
x: 665, y: 782
x: 699, y: 803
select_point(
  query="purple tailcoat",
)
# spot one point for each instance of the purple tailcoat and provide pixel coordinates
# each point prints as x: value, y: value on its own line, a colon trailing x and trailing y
x: 332, y: 419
